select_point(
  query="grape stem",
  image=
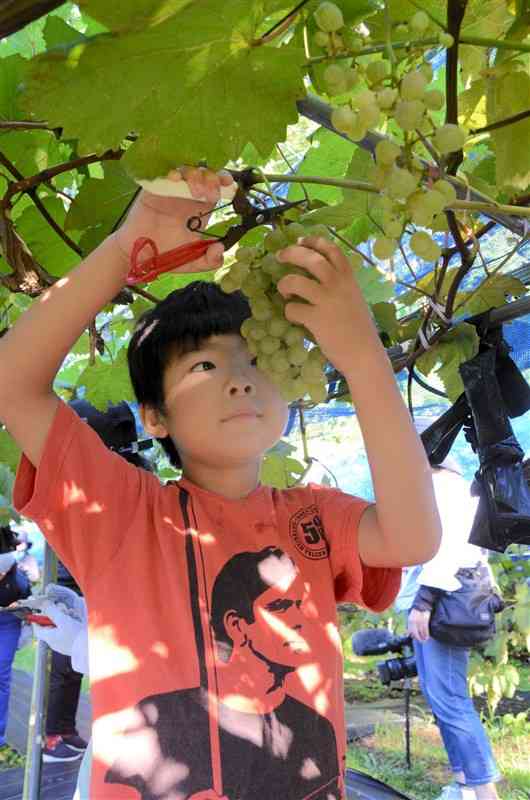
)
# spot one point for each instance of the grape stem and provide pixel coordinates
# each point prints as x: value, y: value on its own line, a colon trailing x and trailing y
x: 339, y: 182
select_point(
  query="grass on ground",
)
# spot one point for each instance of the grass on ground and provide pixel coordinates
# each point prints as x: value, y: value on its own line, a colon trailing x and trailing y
x: 382, y: 756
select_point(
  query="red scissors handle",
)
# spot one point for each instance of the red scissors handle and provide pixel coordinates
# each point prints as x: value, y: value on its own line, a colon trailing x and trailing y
x: 147, y: 270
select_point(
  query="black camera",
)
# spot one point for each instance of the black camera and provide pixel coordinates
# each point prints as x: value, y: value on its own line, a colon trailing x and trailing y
x: 378, y: 641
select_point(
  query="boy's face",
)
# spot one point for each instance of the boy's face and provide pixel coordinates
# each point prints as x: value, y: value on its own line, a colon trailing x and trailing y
x: 220, y: 409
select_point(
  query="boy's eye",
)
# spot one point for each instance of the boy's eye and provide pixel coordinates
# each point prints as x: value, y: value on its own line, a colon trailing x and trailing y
x: 202, y: 366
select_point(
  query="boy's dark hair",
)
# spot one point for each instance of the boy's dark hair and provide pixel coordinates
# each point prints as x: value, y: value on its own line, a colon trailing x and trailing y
x: 178, y: 325
x: 8, y: 539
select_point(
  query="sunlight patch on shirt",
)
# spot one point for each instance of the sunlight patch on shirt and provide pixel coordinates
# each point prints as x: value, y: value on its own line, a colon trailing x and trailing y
x: 160, y: 649
x: 72, y: 494
x: 334, y: 636
x: 107, y: 657
x: 204, y: 538
x: 321, y: 702
x: 310, y: 675
x: 309, y: 770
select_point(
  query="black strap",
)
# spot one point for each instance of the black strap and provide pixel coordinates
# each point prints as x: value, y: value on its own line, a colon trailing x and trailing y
x: 184, y: 498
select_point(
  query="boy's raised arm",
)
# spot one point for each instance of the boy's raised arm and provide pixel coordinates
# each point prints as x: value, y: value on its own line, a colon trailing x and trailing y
x: 403, y: 527
x: 32, y: 352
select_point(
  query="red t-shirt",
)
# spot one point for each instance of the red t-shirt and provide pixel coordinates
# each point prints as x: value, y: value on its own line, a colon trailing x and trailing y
x: 215, y: 659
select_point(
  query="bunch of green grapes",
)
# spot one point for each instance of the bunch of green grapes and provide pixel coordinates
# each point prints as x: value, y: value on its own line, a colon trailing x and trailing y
x: 285, y: 352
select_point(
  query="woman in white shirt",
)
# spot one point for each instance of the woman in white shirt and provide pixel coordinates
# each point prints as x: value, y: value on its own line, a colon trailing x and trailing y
x: 442, y: 668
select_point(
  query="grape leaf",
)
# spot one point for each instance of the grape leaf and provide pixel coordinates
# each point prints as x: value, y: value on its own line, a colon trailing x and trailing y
x: 453, y: 349
x: 46, y: 245
x: 329, y: 155
x: 107, y: 383
x: 12, y: 75
x: 101, y: 202
x: 385, y: 316
x: 494, y: 292
x: 374, y: 287
x: 9, y: 451
x: 192, y: 87
x: 33, y: 151
x: 124, y: 15
x: 509, y: 94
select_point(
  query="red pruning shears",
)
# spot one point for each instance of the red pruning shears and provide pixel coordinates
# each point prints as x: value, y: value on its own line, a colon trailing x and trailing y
x: 251, y: 217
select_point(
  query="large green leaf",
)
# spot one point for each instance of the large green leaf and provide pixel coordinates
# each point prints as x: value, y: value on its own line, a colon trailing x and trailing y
x: 453, y: 349
x: 33, y: 151
x: 102, y: 201
x: 107, y: 383
x: 510, y: 94
x: 9, y: 451
x: 47, y: 246
x: 328, y: 156
x: 13, y: 72
x: 494, y: 292
x: 192, y: 87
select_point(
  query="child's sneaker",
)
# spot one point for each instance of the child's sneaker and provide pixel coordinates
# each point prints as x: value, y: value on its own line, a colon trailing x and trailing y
x: 75, y: 741
x: 457, y: 792
x: 57, y: 750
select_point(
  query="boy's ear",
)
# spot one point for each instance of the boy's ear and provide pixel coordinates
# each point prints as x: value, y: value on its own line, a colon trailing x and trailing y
x: 153, y: 422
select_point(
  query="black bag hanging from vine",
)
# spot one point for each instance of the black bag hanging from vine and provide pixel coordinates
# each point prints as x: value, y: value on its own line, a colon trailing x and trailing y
x: 495, y: 390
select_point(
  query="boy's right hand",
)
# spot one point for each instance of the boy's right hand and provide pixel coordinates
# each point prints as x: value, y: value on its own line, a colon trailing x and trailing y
x: 164, y: 219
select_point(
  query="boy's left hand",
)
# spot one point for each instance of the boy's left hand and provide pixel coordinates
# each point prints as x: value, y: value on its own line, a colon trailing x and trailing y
x: 335, y: 311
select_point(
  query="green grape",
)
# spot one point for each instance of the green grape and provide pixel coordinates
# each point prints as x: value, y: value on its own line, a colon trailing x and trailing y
x: 252, y: 347
x: 318, y: 231
x: 278, y: 303
x: 335, y: 79
x: 228, y: 285
x: 379, y: 176
x: 386, y: 98
x: 358, y: 130
x: 318, y: 392
x: 447, y: 189
x: 269, y: 264
x: 278, y: 272
x: 294, y: 231
x: 257, y: 331
x: 351, y: 78
x: 321, y: 39
x: 297, y: 354
x: 413, y: 86
x: 280, y: 364
x: 278, y: 327
x: 393, y: 229
x: 329, y: 17
x: 294, y: 336
x: 263, y: 363
x: 440, y: 224
x: 368, y: 115
x: 434, y: 201
x: 365, y: 98
x: 311, y: 372
x: 246, y: 327
x: 424, y: 246
x: 317, y: 356
x: 377, y: 71
x: 427, y: 71
x: 261, y: 309
x: 274, y: 241
x: 449, y: 138
x: 401, y: 183
x: 419, y: 22
x: 356, y: 260
x: 386, y: 152
x: 246, y: 253
x: 409, y: 114
x: 343, y: 119
x: 384, y: 248
x: 401, y: 31
x: 269, y: 345
x: 446, y: 40
x: 434, y: 99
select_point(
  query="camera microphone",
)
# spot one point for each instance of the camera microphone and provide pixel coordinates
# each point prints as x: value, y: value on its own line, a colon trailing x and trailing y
x: 377, y: 641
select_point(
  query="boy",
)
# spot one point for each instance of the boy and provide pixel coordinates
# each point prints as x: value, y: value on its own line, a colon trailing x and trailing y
x: 215, y: 659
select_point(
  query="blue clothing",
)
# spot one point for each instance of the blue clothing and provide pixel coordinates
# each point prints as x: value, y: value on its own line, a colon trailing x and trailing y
x: 10, y: 628
x: 442, y: 673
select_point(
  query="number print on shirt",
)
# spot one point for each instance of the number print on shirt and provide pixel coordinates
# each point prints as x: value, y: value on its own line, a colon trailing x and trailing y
x: 307, y: 533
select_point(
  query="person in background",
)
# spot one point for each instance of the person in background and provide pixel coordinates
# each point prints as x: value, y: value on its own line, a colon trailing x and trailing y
x: 442, y: 668
x: 26, y: 560
x: 14, y: 585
